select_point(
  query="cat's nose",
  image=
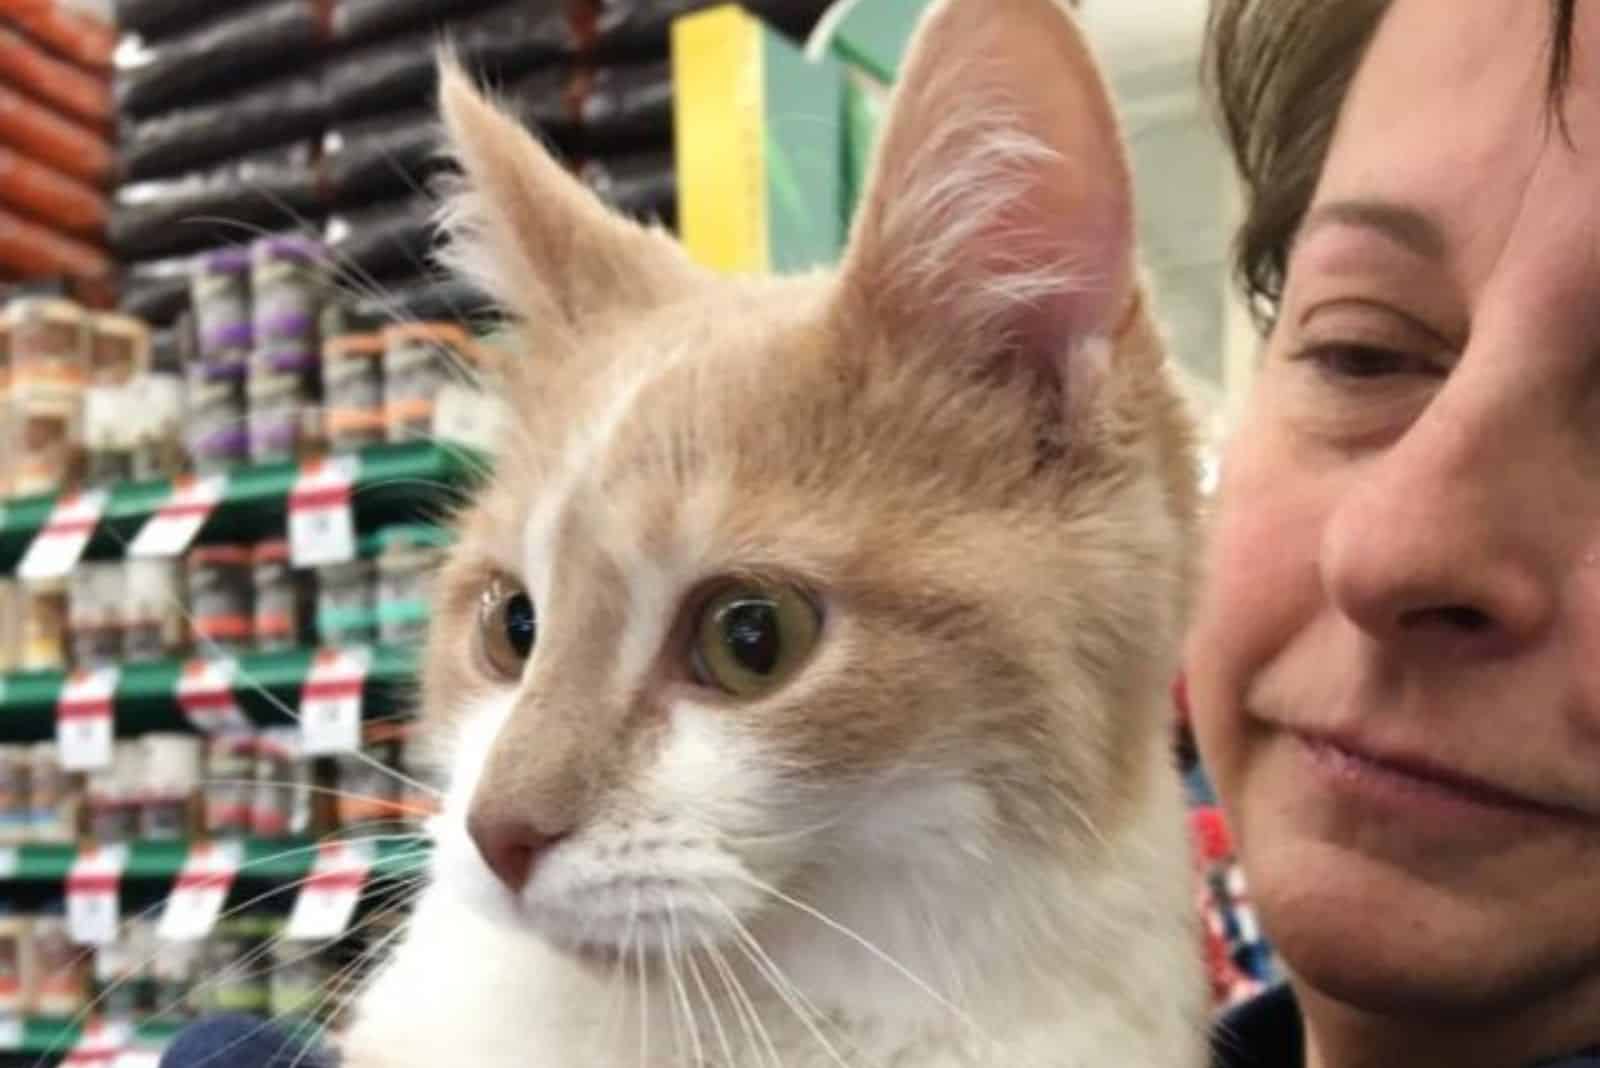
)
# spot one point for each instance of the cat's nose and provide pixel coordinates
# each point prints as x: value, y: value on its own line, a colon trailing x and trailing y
x: 510, y: 847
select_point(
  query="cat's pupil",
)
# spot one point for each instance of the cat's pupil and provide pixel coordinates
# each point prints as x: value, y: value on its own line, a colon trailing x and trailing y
x: 750, y: 629
x: 522, y: 626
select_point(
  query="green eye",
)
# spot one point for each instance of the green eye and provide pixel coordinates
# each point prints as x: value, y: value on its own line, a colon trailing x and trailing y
x: 751, y: 637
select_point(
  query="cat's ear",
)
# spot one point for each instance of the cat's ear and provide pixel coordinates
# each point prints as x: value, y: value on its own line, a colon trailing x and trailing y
x: 534, y: 237
x: 1000, y: 209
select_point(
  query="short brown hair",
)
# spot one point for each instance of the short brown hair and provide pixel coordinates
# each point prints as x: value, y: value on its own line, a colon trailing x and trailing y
x: 1278, y: 72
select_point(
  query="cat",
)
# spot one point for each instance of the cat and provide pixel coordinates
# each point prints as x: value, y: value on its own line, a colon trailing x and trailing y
x: 802, y: 669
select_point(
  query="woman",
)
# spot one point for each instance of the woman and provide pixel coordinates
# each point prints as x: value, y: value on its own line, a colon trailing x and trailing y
x: 1395, y: 668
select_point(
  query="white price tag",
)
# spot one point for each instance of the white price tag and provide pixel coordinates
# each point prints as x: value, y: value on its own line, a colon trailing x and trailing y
x: 322, y: 527
x: 84, y: 726
x: 173, y: 528
x: 93, y: 910
x: 467, y: 415
x: 57, y: 548
x: 102, y: 1043
x: 138, y: 1058
x: 205, y: 693
x: 330, y: 702
x: 10, y: 1032
x: 10, y: 857
x: 198, y: 893
x: 329, y: 895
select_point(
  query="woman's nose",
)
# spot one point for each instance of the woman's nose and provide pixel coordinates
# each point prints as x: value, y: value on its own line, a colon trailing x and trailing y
x: 1436, y: 545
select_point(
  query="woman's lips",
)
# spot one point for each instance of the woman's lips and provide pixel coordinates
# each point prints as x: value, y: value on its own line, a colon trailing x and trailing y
x: 1419, y: 787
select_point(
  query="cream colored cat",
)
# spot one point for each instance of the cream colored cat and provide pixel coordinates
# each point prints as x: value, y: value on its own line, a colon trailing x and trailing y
x: 804, y: 667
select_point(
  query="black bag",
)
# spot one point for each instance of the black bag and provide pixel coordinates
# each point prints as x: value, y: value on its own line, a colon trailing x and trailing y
x: 641, y: 29
x: 644, y: 185
x: 153, y: 19
x: 400, y: 73
x: 391, y: 240
x: 219, y: 58
x: 359, y: 21
x: 605, y: 109
x: 192, y: 138
x: 158, y: 291
x: 230, y: 205
x: 383, y: 157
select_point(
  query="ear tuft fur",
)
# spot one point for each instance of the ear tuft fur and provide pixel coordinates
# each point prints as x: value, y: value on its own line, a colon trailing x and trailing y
x: 522, y: 228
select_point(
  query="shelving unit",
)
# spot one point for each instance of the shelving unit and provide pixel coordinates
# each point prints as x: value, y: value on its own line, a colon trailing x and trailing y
x: 266, y: 686
x: 396, y: 483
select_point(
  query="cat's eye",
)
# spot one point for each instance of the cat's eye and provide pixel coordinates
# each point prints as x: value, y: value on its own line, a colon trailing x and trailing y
x: 508, y: 626
x: 751, y: 636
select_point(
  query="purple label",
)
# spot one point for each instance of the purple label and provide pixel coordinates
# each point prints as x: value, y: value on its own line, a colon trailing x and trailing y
x: 231, y: 369
x: 285, y: 325
x: 227, y: 336
x: 286, y: 361
x: 224, y: 442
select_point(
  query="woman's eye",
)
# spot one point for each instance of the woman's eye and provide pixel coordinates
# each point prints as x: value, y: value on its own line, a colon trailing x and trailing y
x: 508, y: 627
x: 1363, y: 361
x: 752, y: 636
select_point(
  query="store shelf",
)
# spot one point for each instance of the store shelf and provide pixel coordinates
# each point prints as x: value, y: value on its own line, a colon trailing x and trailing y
x: 54, y: 1036
x: 397, y: 483
x: 267, y: 687
x: 266, y: 860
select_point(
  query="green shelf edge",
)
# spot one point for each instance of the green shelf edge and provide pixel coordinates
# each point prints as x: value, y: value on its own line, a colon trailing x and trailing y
x: 49, y: 1036
x: 266, y: 860
x: 146, y: 695
x: 396, y: 483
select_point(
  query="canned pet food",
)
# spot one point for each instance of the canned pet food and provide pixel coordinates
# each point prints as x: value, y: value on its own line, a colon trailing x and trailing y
x: 220, y: 293
x: 236, y: 960
x: 284, y: 599
x: 10, y: 624
x: 287, y: 280
x: 229, y: 782
x: 419, y: 360
x: 17, y: 968
x: 170, y: 785
x: 154, y: 627
x: 408, y: 556
x: 352, y: 376
x: 50, y: 345
x: 220, y: 582
x: 95, y: 614
x: 44, y: 626
x: 369, y: 794
x: 54, y: 803
x: 119, y: 350
x: 347, y: 603
x: 218, y: 434
x: 15, y: 771
x: 62, y: 987
x: 282, y: 800
x: 47, y: 426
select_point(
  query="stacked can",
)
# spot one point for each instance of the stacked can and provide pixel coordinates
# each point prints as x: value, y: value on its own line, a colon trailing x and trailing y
x: 287, y: 283
x: 223, y: 331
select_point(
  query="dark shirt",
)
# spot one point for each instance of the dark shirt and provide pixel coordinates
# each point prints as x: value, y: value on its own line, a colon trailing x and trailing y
x: 1265, y: 1033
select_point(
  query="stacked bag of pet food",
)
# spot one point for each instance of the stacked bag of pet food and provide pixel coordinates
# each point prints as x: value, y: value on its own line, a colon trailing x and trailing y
x: 220, y: 106
x: 55, y: 143
x: 591, y: 76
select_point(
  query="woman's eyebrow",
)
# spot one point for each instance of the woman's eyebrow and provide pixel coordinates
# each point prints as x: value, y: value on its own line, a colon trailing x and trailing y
x: 1399, y: 223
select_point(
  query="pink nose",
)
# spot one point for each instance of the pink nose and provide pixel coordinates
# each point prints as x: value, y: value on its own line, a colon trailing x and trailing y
x: 510, y: 848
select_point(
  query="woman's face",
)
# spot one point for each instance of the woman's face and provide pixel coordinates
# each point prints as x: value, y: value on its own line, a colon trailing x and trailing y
x: 1396, y: 665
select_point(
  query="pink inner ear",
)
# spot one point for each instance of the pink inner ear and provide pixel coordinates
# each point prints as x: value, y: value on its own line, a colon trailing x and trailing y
x: 1002, y: 197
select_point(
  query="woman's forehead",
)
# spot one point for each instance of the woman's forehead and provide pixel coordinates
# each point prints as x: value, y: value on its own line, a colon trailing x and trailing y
x: 1449, y: 121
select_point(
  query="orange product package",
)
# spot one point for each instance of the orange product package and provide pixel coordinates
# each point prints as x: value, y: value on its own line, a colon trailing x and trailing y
x: 85, y: 40
x: 33, y: 251
x: 63, y: 85
x: 50, y: 195
x: 52, y: 138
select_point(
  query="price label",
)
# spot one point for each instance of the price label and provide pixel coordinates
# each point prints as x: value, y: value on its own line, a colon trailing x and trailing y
x: 138, y: 1058
x: 322, y: 528
x: 330, y: 892
x: 84, y: 720
x: 10, y: 1032
x: 205, y: 693
x: 467, y: 415
x: 93, y: 911
x: 100, y: 1047
x: 57, y: 548
x: 330, y: 702
x: 198, y: 893
x: 172, y: 529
